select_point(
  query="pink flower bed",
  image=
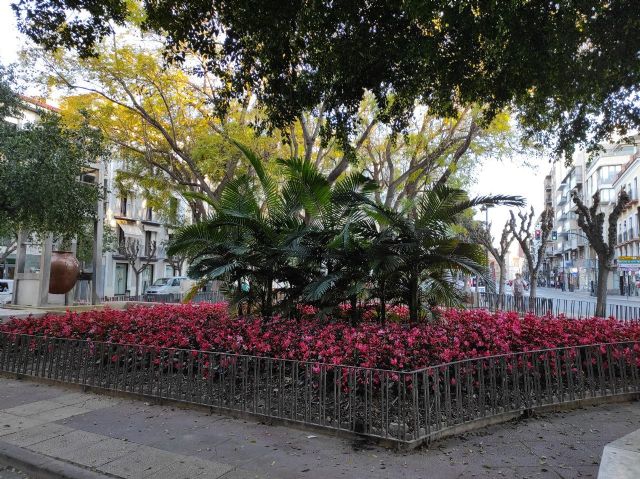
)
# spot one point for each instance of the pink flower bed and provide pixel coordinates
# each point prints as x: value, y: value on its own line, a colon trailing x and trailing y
x: 458, y: 334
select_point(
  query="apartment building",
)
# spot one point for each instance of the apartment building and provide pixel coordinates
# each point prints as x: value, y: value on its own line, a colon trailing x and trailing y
x: 604, y: 176
x: 135, y: 223
x: 628, y: 238
x: 564, y: 265
x: 570, y: 261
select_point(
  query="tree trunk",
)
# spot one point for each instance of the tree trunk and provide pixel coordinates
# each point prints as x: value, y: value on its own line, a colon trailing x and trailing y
x: 354, y: 309
x: 601, y: 291
x: 267, y: 310
x: 239, y: 295
x: 383, y: 304
x: 137, y: 283
x: 503, y: 268
x: 414, y: 303
x: 533, y: 285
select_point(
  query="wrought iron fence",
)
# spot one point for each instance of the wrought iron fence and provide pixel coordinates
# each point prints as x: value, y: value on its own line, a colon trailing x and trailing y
x: 555, y: 306
x: 403, y: 407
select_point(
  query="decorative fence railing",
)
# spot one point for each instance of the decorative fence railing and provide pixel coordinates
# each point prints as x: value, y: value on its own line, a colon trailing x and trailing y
x: 571, y: 308
x: 403, y: 407
x: 202, y: 297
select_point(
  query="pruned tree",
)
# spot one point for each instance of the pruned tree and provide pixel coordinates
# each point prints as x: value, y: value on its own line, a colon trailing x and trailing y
x: 523, y: 232
x: 592, y: 222
x: 131, y: 249
x: 481, y: 234
x: 176, y: 260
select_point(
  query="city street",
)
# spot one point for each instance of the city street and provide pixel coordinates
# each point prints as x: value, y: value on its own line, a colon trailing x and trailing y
x: 582, y: 295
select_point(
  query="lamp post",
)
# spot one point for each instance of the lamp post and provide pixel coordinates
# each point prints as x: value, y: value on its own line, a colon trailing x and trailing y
x: 484, y: 208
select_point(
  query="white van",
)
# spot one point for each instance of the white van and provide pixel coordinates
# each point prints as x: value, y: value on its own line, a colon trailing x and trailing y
x: 6, y: 291
x: 176, y: 285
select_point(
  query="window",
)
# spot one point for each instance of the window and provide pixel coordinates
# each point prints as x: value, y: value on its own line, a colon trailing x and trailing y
x: 121, y: 238
x: 149, y: 239
x: 123, y: 205
x: 175, y: 282
x: 149, y: 213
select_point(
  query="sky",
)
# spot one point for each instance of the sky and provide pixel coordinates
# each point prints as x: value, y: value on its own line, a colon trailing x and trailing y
x: 493, y: 177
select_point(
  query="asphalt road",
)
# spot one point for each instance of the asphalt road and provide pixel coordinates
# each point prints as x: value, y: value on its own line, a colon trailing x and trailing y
x: 585, y: 296
x: 8, y: 472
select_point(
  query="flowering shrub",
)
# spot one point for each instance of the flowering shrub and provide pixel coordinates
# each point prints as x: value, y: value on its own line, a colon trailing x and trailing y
x: 458, y: 334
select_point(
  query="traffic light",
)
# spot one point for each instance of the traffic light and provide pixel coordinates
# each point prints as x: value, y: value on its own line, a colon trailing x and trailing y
x: 554, y: 236
x: 538, y: 234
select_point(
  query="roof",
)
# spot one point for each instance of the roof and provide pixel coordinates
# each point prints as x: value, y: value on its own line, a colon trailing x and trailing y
x: 39, y: 103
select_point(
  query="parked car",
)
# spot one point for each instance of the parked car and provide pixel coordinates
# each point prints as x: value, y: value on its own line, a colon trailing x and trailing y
x: 175, y: 285
x: 6, y: 291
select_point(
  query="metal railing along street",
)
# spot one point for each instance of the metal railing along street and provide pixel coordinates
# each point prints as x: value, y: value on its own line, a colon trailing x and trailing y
x: 570, y: 308
x: 201, y: 297
x: 404, y: 408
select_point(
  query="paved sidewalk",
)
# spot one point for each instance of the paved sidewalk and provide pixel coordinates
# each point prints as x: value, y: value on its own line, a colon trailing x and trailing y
x: 132, y: 439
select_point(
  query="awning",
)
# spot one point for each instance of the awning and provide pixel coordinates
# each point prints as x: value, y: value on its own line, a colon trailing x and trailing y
x: 152, y: 228
x: 131, y: 230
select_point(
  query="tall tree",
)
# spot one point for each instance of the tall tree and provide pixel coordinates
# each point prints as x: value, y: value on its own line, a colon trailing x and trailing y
x: 523, y: 232
x: 571, y: 68
x: 592, y: 222
x: 481, y: 234
x: 40, y: 164
x: 433, y: 151
x: 158, y: 117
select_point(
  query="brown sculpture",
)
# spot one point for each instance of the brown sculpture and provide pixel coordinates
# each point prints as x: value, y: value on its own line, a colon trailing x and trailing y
x: 65, y: 269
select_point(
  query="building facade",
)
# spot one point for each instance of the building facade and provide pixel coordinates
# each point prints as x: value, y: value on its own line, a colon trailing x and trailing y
x: 123, y: 216
x: 571, y: 262
x: 139, y: 235
x: 628, y: 240
x: 603, y: 174
x: 564, y: 266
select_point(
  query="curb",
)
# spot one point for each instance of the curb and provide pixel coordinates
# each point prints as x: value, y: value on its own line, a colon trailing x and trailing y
x: 39, y: 466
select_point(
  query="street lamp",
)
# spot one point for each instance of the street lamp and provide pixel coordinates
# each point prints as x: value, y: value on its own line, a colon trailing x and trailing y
x: 485, y: 208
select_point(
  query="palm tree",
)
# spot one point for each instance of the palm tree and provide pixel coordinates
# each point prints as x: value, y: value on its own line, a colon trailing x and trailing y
x: 425, y: 249
x: 325, y: 244
x: 263, y: 233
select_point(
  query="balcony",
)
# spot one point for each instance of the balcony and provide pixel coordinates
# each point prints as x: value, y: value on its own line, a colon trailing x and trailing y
x: 563, y: 200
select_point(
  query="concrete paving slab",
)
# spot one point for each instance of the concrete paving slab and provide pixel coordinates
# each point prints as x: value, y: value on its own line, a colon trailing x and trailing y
x: 14, y: 393
x: 10, y: 423
x: 62, y: 446
x: 36, y: 434
x: 143, y: 424
x: 143, y: 462
x: 72, y: 399
x: 190, y: 468
x: 238, y: 474
x: 33, y: 408
x: 60, y: 413
x: 99, y: 453
x: 619, y: 464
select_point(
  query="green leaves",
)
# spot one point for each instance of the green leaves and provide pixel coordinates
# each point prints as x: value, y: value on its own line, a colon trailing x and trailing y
x: 40, y: 167
x: 569, y: 69
x: 325, y: 245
